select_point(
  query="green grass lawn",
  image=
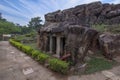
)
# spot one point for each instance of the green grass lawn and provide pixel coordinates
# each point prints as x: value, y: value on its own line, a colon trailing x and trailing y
x: 98, y: 64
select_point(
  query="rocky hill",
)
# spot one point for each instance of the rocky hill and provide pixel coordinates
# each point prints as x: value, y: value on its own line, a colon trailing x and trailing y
x: 87, y: 14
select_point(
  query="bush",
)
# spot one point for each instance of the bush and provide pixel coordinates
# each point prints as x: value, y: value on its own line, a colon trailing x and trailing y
x: 58, y: 65
x: 16, y: 44
x: 27, y: 49
x: 42, y: 58
x: 35, y: 53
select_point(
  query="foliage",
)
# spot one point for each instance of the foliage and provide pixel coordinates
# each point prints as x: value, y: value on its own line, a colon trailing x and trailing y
x: 27, y: 49
x: 98, y: 64
x: 27, y: 38
x: 33, y: 45
x: 58, y: 65
x: 32, y: 34
x: 18, y: 38
x: 26, y: 30
x: 16, y: 44
x: 35, y: 53
x: 42, y: 58
x: 107, y: 28
x: 100, y: 28
x: 35, y: 23
x: 9, y: 28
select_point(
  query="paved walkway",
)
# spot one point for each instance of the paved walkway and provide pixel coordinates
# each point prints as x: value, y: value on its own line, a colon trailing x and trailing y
x: 15, y: 65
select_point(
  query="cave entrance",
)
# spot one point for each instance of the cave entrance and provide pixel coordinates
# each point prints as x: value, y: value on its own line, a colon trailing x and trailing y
x: 62, y: 45
x: 54, y: 45
x: 48, y: 44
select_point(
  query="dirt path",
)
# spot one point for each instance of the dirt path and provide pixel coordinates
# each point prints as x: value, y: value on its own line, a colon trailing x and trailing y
x: 15, y: 65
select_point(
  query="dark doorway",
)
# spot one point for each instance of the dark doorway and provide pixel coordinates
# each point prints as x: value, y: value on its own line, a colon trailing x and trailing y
x: 48, y: 43
x: 54, y: 45
x: 62, y: 46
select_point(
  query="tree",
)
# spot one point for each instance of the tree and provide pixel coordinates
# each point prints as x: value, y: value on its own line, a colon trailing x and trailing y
x: 9, y: 28
x: 35, y: 23
x: 25, y: 30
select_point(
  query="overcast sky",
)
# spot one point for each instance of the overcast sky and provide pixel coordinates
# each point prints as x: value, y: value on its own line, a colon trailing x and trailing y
x: 21, y: 11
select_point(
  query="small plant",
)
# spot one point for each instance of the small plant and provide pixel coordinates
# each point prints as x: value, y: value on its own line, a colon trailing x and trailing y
x: 58, y: 65
x: 42, y: 58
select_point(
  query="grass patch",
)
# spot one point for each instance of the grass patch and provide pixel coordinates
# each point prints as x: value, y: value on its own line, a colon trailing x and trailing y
x: 98, y: 64
x: 115, y: 29
x: 100, y: 28
x: 33, y: 45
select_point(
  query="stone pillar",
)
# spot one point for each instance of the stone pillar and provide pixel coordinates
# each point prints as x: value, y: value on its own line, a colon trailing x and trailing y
x: 38, y: 41
x: 50, y: 45
x: 58, y: 47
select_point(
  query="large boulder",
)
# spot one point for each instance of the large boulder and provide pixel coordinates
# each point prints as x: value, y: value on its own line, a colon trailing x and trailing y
x: 78, y: 41
x: 110, y: 45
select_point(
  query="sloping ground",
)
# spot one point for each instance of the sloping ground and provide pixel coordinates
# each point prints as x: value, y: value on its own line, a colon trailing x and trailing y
x: 15, y: 65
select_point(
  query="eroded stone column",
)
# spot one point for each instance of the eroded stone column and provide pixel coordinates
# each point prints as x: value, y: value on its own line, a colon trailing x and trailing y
x: 38, y: 41
x: 58, y: 47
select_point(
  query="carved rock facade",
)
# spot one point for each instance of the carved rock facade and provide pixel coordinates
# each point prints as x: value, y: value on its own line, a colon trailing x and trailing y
x: 67, y: 34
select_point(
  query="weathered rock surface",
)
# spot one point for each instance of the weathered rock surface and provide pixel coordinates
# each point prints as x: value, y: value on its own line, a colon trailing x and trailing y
x: 93, y: 13
x: 110, y: 45
x: 78, y: 41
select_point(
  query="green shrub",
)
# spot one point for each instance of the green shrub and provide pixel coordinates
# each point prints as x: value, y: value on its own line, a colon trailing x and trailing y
x: 58, y: 65
x: 27, y: 49
x: 42, y: 58
x: 18, y: 45
x: 35, y: 53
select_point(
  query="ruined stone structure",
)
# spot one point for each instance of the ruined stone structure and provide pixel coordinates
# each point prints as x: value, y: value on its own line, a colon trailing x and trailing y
x: 67, y: 34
